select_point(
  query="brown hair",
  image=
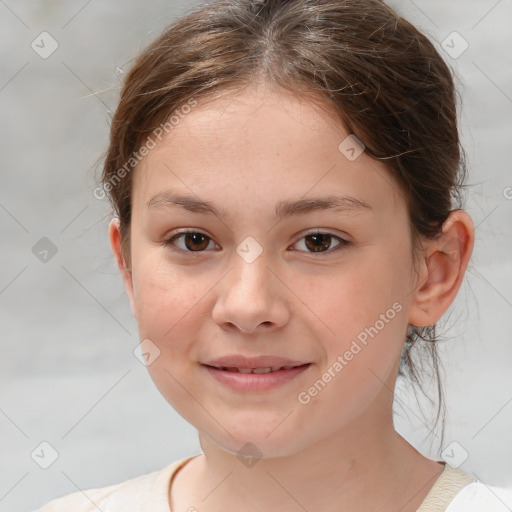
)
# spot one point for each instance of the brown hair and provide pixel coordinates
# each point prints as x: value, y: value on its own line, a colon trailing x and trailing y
x: 373, y: 70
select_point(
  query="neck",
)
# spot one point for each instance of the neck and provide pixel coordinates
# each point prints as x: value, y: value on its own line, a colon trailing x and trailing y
x: 334, y: 474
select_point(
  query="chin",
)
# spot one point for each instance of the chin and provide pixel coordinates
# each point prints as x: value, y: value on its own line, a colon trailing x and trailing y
x: 255, y: 444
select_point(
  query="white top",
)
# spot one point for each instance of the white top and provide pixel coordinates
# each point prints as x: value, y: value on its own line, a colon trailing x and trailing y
x: 454, y: 491
x: 479, y: 497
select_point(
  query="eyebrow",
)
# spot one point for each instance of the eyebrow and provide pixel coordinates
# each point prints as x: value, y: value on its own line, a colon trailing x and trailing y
x: 285, y: 208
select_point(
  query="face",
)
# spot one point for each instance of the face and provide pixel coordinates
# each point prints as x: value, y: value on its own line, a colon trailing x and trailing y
x: 327, y: 287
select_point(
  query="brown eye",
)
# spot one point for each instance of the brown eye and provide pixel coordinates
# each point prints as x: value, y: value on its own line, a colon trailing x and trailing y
x: 193, y: 241
x: 317, y: 243
x: 320, y: 242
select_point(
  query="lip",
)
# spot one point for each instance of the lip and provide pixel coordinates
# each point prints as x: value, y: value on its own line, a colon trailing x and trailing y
x: 254, y: 381
x: 245, y: 362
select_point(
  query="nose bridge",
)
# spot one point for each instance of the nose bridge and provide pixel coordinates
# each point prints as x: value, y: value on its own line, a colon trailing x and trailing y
x: 250, y: 275
x: 249, y: 296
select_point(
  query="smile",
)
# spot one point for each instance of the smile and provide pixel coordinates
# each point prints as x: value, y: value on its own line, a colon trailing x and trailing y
x: 254, y: 370
x: 254, y: 379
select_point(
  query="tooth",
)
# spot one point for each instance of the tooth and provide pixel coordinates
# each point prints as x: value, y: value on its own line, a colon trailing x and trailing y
x: 275, y: 368
x: 244, y: 370
x: 261, y: 370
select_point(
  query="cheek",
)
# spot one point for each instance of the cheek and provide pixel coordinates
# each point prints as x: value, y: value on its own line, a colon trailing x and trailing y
x: 164, y: 297
x: 169, y: 310
x: 362, y: 347
x: 361, y: 311
x: 353, y: 297
x: 172, y: 304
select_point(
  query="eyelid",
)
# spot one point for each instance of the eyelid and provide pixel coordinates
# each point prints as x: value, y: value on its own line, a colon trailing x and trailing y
x: 323, y: 231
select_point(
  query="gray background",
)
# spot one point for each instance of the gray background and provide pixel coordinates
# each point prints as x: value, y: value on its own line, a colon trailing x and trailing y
x: 68, y: 375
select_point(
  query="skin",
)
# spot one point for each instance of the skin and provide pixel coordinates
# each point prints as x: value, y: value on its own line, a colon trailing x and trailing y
x: 245, y: 153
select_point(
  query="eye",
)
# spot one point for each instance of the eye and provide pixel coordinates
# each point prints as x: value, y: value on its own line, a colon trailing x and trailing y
x: 320, y: 242
x: 316, y: 242
x: 194, y: 241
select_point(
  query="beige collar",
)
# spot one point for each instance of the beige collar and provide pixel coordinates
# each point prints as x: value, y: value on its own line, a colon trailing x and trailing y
x: 447, y: 486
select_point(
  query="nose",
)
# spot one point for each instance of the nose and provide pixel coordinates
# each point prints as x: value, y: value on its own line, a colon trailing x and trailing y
x: 251, y: 298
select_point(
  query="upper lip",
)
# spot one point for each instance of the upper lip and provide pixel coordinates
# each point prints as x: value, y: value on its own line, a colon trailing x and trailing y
x: 240, y: 361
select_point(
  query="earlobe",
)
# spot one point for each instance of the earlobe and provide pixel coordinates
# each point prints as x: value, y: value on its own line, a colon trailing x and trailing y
x: 443, y: 268
x: 114, y: 233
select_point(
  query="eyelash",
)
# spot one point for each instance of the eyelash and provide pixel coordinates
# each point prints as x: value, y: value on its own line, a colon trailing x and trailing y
x: 170, y: 242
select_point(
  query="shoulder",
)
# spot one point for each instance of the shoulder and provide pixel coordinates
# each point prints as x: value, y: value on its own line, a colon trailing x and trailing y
x: 479, y: 497
x: 149, y: 490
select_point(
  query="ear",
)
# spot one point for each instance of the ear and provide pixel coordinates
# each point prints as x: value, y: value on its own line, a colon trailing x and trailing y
x: 442, y: 270
x: 114, y: 234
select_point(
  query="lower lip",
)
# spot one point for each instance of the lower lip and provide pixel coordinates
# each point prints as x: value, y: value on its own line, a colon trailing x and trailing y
x: 255, y: 381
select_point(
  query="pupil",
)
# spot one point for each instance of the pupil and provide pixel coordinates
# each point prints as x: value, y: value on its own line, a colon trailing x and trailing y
x: 324, y: 242
x: 196, y: 237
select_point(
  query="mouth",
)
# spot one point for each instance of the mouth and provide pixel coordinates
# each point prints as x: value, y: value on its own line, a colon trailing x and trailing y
x: 255, y: 379
x: 271, y: 369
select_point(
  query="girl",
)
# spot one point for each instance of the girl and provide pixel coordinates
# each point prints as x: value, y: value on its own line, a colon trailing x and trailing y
x: 286, y: 178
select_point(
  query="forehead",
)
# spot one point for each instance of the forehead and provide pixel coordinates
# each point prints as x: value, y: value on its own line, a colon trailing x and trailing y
x: 260, y: 142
